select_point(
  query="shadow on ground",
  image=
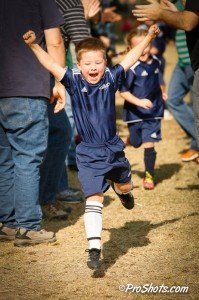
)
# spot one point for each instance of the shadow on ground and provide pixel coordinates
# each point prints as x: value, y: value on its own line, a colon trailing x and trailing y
x: 134, y: 234
x: 163, y: 172
x: 190, y: 187
x: 77, y: 212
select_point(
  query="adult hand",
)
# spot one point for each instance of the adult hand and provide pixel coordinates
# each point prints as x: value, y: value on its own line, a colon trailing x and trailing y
x: 58, y: 94
x: 166, y: 4
x: 91, y: 8
x: 151, y: 11
x: 108, y: 15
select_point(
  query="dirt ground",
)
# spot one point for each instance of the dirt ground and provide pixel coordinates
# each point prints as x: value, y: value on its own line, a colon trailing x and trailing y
x: 156, y: 243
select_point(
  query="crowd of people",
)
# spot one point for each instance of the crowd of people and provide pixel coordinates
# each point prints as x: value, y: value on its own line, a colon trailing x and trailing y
x: 58, y: 114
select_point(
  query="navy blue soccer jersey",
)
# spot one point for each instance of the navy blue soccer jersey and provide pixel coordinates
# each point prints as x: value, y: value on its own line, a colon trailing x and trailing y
x: 142, y: 80
x: 93, y: 105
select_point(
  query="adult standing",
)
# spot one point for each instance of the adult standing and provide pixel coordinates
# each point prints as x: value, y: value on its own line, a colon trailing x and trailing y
x: 24, y: 93
x: 181, y: 83
x: 188, y: 20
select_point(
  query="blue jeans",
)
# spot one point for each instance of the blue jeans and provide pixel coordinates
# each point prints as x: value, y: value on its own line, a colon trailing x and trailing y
x: 54, y: 163
x: 196, y: 104
x: 63, y: 183
x: 180, y: 84
x: 23, y: 141
x: 71, y: 157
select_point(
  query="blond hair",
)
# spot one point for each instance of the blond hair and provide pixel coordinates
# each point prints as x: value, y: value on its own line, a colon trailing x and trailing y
x: 139, y: 31
x: 89, y: 44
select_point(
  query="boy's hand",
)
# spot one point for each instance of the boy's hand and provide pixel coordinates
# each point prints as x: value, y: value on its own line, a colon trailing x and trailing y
x: 146, y: 103
x: 153, y: 31
x: 29, y: 37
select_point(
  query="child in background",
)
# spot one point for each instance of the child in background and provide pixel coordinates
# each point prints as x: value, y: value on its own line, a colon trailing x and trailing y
x: 100, y: 155
x: 143, y: 107
x: 158, y: 47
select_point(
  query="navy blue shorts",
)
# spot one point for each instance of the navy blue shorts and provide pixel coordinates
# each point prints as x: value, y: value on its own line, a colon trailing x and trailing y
x: 102, y: 162
x: 144, y: 131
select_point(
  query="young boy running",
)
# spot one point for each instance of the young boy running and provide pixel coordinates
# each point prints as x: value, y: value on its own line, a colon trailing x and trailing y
x: 143, y: 107
x: 100, y: 155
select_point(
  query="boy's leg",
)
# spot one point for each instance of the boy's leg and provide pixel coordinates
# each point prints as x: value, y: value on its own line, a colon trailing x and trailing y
x: 93, y: 227
x: 149, y: 161
x: 151, y: 133
x: 123, y: 190
x: 120, y: 177
x: 149, y: 158
x: 135, y: 138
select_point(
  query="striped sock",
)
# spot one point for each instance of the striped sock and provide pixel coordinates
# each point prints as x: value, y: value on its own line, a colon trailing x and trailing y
x: 93, y: 223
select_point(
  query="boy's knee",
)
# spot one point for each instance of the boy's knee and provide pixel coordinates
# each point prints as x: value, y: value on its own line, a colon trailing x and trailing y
x: 99, y: 197
x: 124, y: 187
x: 134, y: 143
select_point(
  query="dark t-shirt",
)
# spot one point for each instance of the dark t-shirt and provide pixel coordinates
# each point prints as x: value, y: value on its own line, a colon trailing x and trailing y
x: 93, y: 105
x: 142, y: 80
x: 193, y: 36
x: 21, y: 74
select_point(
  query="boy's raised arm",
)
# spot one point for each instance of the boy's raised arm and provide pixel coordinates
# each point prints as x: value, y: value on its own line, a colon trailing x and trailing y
x: 133, y: 55
x: 44, y: 58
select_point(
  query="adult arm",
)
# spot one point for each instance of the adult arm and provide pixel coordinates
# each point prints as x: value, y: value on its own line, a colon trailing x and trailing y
x: 55, y: 45
x: 56, y: 49
x: 186, y: 20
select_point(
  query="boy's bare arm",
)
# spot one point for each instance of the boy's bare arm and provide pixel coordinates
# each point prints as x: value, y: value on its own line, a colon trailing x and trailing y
x: 145, y: 103
x: 44, y: 58
x: 134, y: 54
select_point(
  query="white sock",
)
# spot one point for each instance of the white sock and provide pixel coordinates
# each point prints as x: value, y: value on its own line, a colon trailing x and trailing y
x: 93, y: 223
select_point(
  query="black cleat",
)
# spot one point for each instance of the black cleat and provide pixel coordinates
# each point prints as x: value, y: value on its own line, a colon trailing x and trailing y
x: 94, y: 259
x: 126, y: 199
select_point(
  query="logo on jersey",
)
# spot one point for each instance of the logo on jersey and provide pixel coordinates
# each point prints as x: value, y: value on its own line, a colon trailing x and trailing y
x: 156, y: 71
x: 104, y: 86
x: 154, y: 135
x: 129, y: 174
x: 84, y: 90
x: 144, y: 73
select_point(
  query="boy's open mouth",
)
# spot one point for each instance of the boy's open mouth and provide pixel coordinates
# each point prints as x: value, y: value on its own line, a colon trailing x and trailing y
x: 93, y: 75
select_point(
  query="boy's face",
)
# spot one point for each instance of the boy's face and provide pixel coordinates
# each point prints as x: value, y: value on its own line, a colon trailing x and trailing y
x: 146, y: 53
x: 92, y: 65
